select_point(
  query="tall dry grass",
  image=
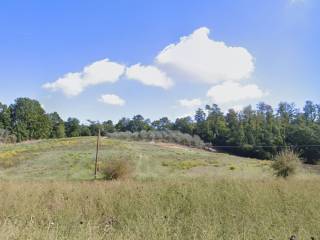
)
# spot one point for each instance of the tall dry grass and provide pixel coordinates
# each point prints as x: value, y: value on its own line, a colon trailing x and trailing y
x: 117, y: 169
x: 175, y: 209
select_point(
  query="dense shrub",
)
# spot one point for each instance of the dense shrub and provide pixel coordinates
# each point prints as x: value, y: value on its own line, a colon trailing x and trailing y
x: 6, y: 137
x: 286, y: 163
x: 169, y: 136
x: 117, y: 169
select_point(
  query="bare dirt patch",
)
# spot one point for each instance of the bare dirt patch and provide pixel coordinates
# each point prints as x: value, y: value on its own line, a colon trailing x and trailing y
x: 171, y: 145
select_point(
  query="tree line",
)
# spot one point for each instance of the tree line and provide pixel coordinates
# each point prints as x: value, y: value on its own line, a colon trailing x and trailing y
x: 258, y: 132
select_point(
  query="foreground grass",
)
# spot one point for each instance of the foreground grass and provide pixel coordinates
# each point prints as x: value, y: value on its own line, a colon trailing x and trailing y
x: 175, y: 209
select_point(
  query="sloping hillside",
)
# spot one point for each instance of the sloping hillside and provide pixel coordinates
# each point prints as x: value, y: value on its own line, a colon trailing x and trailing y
x: 73, y: 159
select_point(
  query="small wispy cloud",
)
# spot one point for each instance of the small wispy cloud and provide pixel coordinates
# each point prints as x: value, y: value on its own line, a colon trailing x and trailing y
x: 190, y: 103
x: 112, y: 99
x: 149, y: 75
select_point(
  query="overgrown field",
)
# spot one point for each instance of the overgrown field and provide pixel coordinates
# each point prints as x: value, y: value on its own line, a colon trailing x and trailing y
x: 175, y: 209
x: 175, y: 192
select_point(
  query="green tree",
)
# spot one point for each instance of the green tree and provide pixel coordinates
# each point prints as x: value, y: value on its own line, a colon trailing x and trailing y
x: 264, y: 134
x: 73, y: 128
x: 85, y: 130
x: 5, y: 117
x: 200, y: 118
x: 306, y: 139
x: 29, y: 120
x: 248, y: 121
x: 138, y: 123
x: 162, y: 124
x: 235, y: 133
x: 286, y: 115
x: 184, y: 125
x: 57, y: 126
x: 310, y: 111
x: 94, y: 127
x: 123, y: 125
x: 108, y: 127
x: 216, y: 126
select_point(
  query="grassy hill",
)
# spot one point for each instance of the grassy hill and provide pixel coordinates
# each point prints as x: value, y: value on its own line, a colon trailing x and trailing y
x: 73, y: 159
x: 175, y: 192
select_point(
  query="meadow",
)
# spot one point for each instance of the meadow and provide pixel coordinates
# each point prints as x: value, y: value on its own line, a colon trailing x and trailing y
x: 48, y: 191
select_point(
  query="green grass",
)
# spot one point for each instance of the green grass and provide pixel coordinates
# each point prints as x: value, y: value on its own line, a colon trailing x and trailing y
x: 47, y: 192
x: 73, y: 159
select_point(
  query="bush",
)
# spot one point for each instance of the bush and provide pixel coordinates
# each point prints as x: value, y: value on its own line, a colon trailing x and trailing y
x: 7, y: 137
x: 160, y: 136
x: 286, y: 163
x: 117, y: 169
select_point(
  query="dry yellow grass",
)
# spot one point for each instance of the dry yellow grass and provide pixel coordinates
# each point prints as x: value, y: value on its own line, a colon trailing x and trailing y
x: 175, y: 209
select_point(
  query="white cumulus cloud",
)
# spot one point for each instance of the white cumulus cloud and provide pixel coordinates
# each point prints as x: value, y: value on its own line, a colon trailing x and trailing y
x: 191, y: 103
x: 199, y: 58
x: 233, y: 91
x: 149, y: 75
x: 112, y: 99
x: 72, y: 84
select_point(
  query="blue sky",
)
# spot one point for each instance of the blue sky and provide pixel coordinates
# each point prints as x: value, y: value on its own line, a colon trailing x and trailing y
x: 107, y: 59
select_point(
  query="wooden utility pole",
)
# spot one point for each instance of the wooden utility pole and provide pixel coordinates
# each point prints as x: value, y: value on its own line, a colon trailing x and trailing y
x: 97, y: 155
